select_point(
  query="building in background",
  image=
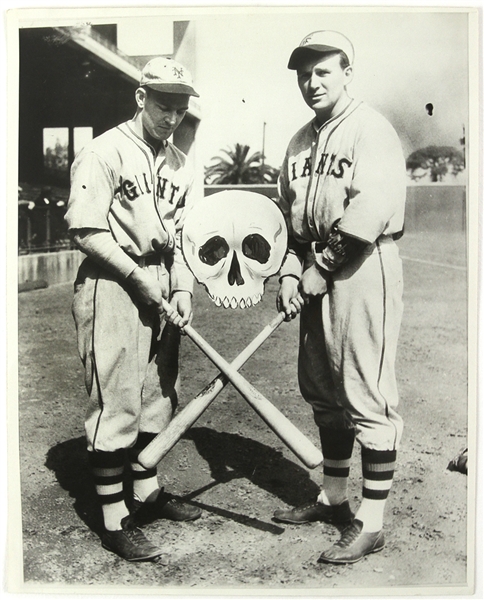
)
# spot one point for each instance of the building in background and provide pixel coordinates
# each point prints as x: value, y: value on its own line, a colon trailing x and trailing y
x: 74, y: 84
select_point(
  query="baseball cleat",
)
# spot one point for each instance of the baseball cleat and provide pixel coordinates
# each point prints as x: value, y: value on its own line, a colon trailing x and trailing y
x: 353, y: 545
x: 130, y: 543
x: 165, y: 506
x: 310, y: 512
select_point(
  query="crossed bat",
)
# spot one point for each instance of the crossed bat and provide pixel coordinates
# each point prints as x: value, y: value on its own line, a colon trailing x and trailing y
x: 302, y: 447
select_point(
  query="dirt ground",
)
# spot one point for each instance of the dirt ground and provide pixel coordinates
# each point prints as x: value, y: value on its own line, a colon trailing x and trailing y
x: 235, y: 468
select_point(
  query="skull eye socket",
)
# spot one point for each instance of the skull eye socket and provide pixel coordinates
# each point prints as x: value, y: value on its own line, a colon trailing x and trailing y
x: 256, y: 247
x: 213, y: 251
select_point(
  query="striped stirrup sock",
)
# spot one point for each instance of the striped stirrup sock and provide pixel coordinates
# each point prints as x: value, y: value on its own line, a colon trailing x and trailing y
x: 145, y: 481
x: 337, y: 446
x: 107, y: 470
x: 378, y: 468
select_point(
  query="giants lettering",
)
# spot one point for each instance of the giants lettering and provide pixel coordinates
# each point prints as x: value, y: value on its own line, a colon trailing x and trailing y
x: 160, y: 188
x: 174, y: 190
x: 327, y: 165
x: 342, y: 162
x: 132, y: 190
x: 307, y: 167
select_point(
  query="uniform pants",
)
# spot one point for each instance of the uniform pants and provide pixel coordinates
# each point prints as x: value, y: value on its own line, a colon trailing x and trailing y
x: 348, y: 343
x: 131, y: 362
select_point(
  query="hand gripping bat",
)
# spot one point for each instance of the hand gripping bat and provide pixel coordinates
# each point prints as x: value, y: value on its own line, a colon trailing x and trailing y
x: 159, y: 447
x: 302, y: 447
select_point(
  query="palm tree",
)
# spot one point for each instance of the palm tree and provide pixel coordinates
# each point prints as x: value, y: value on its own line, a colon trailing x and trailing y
x: 239, y: 168
x: 436, y: 161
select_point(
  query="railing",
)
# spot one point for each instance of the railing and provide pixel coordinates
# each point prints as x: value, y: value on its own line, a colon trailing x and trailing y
x: 42, y: 229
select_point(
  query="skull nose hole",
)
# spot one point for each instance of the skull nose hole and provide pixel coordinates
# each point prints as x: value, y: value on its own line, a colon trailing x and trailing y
x: 235, y: 276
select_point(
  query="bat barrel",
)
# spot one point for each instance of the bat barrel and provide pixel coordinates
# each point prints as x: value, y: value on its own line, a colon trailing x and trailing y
x: 164, y: 441
x: 302, y: 447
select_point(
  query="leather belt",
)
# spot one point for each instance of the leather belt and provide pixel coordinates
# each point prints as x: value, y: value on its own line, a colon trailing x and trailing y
x: 149, y: 259
x: 318, y: 247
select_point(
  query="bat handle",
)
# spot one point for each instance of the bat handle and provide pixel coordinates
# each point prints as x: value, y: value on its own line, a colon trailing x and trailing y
x: 247, y: 352
x: 291, y: 436
x: 165, y: 440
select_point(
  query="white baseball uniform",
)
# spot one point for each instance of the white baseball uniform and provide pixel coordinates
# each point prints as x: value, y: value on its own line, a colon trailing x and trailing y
x: 121, y: 185
x: 351, y: 170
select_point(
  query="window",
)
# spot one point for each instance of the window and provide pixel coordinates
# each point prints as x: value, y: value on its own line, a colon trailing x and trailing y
x: 56, y: 144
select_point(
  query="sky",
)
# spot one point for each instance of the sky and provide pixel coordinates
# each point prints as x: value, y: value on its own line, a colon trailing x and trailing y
x: 404, y: 60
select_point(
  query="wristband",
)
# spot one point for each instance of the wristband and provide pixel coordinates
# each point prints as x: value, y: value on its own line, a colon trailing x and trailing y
x: 288, y: 275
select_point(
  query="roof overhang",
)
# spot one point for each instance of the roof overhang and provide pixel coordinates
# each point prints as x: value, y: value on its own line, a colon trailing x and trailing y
x: 112, y: 58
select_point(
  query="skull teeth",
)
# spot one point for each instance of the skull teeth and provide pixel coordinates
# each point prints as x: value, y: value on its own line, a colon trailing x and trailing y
x: 234, y: 303
x: 256, y: 299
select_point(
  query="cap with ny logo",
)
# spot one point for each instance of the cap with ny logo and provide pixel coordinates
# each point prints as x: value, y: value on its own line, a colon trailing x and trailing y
x: 167, y: 75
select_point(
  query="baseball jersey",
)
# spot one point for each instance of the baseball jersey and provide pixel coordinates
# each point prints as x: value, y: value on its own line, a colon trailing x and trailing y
x: 119, y: 184
x: 350, y: 169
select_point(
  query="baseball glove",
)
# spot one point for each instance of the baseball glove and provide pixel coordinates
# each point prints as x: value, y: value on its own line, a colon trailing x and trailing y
x: 459, y: 463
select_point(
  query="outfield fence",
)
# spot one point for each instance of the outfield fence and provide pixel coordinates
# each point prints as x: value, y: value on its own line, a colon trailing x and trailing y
x: 436, y: 207
x: 47, y: 254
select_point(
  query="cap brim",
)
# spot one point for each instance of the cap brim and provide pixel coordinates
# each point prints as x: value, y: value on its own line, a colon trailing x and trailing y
x: 303, y: 52
x: 173, y: 88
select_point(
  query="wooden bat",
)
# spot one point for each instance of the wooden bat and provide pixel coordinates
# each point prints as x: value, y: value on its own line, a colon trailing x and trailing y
x: 294, y: 439
x: 159, y: 447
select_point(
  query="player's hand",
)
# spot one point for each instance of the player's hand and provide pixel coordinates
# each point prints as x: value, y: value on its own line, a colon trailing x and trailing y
x: 312, y: 283
x: 148, y: 289
x: 182, y: 313
x: 289, y: 300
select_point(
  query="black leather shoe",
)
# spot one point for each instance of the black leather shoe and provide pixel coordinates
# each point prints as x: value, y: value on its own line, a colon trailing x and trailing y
x: 353, y: 545
x: 130, y: 543
x: 165, y: 506
x: 310, y: 512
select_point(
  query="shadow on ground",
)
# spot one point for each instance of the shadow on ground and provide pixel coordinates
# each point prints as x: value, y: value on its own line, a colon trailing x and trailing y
x: 232, y: 456
x: 69, y: 461
x: 229, y: 456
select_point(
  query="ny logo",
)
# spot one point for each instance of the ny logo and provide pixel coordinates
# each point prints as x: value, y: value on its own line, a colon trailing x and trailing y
x: 178, y: 72
x: 306, y: 40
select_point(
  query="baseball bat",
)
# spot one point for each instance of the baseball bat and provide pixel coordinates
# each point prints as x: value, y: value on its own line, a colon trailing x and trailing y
x: 294, y: 439
x: 159, y: 447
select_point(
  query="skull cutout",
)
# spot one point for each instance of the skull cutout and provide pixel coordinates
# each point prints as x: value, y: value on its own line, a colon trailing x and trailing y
x: 233, y: 241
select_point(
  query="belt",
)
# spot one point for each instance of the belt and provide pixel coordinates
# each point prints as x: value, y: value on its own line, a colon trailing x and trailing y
x: 318, y: 247
x: 149, y: 259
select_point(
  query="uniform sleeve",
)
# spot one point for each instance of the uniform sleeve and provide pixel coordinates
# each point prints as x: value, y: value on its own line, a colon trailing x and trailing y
x: 182, y: 279
x: 292, y: 265
x: 91, y: 195
x: 102, y: 248
x: 378, y: 189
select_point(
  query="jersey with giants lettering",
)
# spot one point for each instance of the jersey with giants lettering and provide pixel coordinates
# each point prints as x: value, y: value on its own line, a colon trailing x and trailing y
x: 351, y: 168
x: 119, y: 184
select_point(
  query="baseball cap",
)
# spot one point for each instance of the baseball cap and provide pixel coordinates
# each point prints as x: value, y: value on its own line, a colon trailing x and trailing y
x: 322, y: 41
x: 167, y: 75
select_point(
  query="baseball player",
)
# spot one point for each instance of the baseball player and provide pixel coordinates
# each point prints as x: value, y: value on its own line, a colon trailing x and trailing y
x: 342, y: 190
x: 129, y: 189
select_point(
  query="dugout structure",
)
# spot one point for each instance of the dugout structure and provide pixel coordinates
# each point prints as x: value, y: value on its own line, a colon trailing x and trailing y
x: 75, y: 80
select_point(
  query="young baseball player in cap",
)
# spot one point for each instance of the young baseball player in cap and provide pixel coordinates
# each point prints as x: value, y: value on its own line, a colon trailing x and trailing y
x: 129, y: 189
x: 342, y: 190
